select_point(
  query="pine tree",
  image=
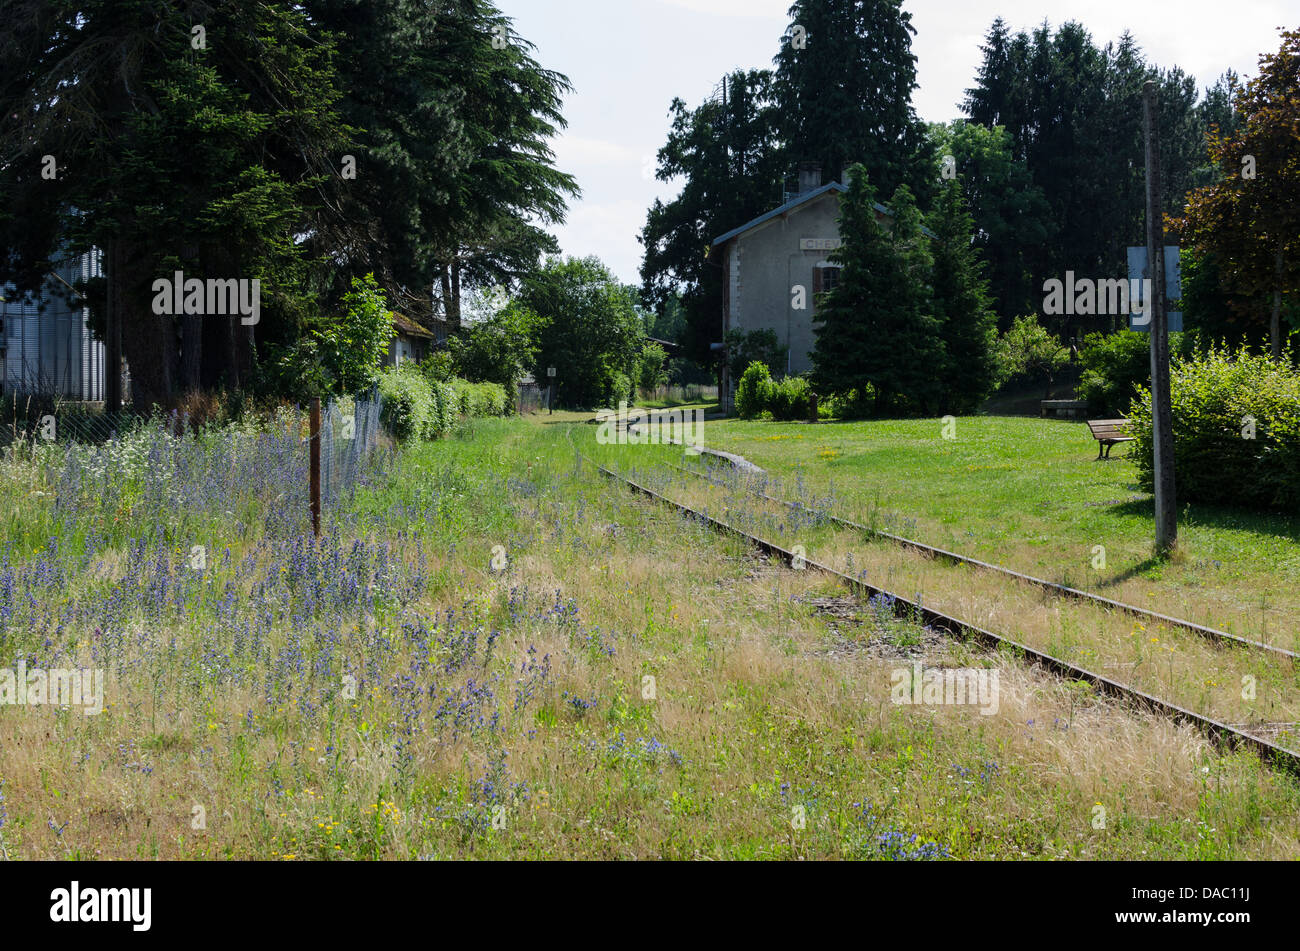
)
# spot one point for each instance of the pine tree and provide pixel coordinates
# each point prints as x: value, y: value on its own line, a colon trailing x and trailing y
x: 874, y: 328
x: 962, y: 305
x: 846, y: 96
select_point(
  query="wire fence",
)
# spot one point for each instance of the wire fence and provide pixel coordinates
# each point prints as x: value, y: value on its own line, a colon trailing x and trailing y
x: 353, y: 444
x: 35, y: 418
x: 531, y: 398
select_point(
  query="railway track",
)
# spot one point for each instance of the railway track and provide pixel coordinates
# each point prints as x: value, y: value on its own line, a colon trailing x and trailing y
x: 1222, y: 734
x: 1060, y: 590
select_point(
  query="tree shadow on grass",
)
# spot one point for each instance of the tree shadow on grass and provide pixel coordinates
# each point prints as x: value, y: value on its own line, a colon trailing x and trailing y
x: 1271, y: 524
x: 1132, y: 572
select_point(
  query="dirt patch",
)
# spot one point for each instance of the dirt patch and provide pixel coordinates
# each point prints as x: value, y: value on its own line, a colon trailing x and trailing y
x: 855, y: 629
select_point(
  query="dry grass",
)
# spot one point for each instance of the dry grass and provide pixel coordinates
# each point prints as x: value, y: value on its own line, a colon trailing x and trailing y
x: 763, y: 705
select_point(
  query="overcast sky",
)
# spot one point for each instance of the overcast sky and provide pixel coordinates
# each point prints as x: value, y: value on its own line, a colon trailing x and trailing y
x: 627, y: 59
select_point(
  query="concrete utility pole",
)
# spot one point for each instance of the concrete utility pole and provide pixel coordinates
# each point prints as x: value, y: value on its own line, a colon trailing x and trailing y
x: 1162, y: 437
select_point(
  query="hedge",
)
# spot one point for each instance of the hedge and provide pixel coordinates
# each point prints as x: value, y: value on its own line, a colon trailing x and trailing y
x: 1236, y: 426
x: 415, y: 407
x: 785, y: 399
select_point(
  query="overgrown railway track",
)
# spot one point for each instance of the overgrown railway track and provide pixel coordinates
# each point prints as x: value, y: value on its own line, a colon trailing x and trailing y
x: 1222, y: 734
x: 1059, y: 590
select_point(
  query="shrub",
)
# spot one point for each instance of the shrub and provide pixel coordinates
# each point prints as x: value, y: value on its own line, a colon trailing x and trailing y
x: 752, y: 392
x: 789, y: 398
x: 1214, y: 397
x: 1030, y: 352
x: 409, y: 404
x: 1114, y: 366
x: 352, y: 347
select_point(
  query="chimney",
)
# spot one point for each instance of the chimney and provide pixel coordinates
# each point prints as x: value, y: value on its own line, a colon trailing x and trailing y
x: 810, y: 177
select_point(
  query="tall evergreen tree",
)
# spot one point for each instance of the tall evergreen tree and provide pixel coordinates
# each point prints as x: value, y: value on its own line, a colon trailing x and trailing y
x: 961, y: 302
x: 207, y: 152
x: 1013, y: 224
x: 1074, y: 115
x: 875, y: 326
x: 846, y: 96
x: 456, y: 182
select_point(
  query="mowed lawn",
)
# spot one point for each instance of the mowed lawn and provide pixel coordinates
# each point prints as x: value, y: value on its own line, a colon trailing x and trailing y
x: 1030, y: 494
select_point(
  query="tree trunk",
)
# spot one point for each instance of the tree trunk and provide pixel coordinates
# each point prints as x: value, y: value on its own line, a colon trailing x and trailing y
x: 445, y: 278
x: 113, y: 330
x: 191, y: 327
x: 1275, y: 327
x: 455, y: 295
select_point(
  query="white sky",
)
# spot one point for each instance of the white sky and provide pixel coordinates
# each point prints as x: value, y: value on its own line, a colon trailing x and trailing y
x: 627, y: 59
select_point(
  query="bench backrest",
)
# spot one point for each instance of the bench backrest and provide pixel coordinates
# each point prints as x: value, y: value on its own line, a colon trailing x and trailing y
x: 1108, y: 428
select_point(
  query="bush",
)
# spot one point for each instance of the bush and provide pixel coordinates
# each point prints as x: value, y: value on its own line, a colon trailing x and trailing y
x: 752, y: 392
x: 415, y: 407
x: 409, y: 405
x: 1214, y: 397
x: 1114, y: 366
x: 445, y: 412
x: 789, y: 398
x: 1029, y: 352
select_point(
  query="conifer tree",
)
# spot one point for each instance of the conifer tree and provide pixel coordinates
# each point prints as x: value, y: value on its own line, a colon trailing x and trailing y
x: 874, y: 328
x: 962, y: 305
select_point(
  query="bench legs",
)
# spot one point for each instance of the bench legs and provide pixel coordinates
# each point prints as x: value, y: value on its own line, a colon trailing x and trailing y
x: 1103, y: 444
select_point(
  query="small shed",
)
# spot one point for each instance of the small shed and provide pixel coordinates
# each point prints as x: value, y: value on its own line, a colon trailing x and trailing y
x: 411, y: 343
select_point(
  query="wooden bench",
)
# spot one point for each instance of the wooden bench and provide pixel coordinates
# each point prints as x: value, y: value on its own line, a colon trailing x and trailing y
x: 1108, y: 432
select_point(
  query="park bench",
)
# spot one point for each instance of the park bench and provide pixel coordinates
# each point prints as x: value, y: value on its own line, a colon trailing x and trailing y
x: 1107, y: 432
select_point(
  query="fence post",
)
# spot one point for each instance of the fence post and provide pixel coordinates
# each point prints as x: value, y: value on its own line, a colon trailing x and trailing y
x: 314, y: 441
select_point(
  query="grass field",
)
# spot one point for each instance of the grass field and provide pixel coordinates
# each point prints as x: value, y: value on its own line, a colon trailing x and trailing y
x: 1029, y: 494
x: 493, y: 653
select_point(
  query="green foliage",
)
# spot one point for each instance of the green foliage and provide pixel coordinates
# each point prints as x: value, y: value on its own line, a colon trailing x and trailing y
x: 481, y: 399
x: 1214, y: 397
x: 589, y: 330
x: 439, y: 365
x: 789, y: 399
x: 846, y: 97
x: 497, y: 350
x: 651, y: 371
x: 1249, y: 222
x: 209, y: 161
x: 1030, y: 351
x: 1012, y: 221
x: 353, y: 348
x: 961, y: 303
x: 409, y: 407
x: 876, y: 325
x: 417, y: 407
x: 1115, y: 365
x: 456, y: 184
x: 1073, y: 114
x: 753, y: 390
x: 225, y: 162
x: 744, y: 347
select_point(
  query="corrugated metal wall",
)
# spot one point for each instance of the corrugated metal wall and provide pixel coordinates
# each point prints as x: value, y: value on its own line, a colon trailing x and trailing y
x: 49, y: 349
